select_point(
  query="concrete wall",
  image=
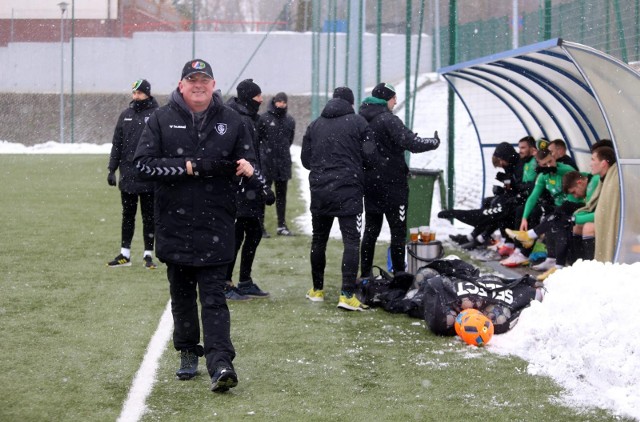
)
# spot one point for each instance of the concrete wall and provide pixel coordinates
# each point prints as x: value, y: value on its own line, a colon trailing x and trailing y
x: 110, y: 65
x: 105, y: 68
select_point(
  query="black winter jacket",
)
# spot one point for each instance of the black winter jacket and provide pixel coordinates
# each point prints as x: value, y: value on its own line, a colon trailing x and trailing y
x: 387, y: 187
x: 195, y: 216
x: 335, y: 148
x: 250, y: 195
x: 276, y: 129
x: 125, y: 141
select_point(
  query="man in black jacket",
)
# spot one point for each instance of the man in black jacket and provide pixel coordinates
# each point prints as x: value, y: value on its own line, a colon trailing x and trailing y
x: 335, y: 148
x: 125, y: 141
x: 386, y: 187
x: 276, y: 129
x: 193, y: 148
x: 251, y: 199
x: 498, y: 211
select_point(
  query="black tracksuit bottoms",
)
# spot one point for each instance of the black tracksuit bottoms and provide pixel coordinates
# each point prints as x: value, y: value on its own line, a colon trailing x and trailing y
x: 350, y: 228
x: 372, y: 227
x: 248, y: 237
x: 129, y: 209
x: 216, y: 320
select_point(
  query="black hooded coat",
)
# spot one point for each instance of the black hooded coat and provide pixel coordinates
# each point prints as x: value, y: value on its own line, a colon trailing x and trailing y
x: 336, y: 147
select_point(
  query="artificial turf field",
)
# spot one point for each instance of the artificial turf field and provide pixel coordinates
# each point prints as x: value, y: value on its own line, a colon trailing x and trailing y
x: 75, y: 332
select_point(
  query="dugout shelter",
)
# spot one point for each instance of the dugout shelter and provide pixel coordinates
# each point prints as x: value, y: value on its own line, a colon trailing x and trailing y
x: 560, y: 89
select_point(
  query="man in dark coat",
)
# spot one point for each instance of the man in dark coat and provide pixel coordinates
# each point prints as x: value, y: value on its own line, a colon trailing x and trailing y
x: 125, y: 141
x: 387, y: 188
x: 497, y: 212
x: 276, y: 129
x: 251, y: 199
x: 193, y: 148
x: 335, y: 148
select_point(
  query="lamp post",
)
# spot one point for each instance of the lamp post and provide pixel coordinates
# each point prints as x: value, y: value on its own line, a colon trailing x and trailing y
x: 63, y: 8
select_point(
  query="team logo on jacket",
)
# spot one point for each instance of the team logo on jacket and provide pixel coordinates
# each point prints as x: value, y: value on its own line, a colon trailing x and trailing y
x: 221, y: 128
x: 146, y: 119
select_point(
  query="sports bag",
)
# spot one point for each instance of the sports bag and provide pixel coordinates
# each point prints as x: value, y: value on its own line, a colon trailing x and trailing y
x: 500, y: 299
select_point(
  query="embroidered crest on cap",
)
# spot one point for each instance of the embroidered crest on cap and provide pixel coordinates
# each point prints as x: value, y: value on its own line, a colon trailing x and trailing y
x: 198, y: 65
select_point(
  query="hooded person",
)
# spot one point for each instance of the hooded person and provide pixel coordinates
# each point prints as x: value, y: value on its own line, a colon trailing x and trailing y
x: 276, y: 130
x: 336, y: 148
x: 386, y: 187
x: 497, y: 212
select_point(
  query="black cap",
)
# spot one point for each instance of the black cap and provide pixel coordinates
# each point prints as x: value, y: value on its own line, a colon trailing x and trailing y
x: 248, y: 89
x: 280, y: 96
x: 345, y: 93
x: 384, y: 91
x: 196, y: 66
x: 142, y: 85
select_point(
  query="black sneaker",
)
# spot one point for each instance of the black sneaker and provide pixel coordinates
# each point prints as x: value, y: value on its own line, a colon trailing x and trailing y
x: 223, y: 379
x: 119, y: 261
x: 251, y: 289
x: 149, y: 264
x: 459, y: 238
x: 188, y: 365
x: 471, y: 245
x: 284, y: 231
x: 232, y: 293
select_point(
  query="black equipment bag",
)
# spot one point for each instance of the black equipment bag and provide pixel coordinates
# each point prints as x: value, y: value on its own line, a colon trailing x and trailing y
x: 459, y: 287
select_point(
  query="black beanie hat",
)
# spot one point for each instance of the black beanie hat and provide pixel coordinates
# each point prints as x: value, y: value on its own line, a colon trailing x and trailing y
x: 345, y: 93
x: 280, y: 96
x: 142, y: 85
x: 506, y: 152
x: 248, y: 89
x: 196, y: 66
x: 384, y: 91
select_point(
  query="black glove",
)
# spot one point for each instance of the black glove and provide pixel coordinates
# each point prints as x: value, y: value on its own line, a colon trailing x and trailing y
x: 498, y: 190
x: 111, y: 178
x: 269, y: 196
x: 204, y: 167
x: 435, y: 136
x: 501, y: 176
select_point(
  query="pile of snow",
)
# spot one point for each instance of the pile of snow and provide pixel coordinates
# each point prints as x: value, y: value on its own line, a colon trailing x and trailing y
x: 584, y: 336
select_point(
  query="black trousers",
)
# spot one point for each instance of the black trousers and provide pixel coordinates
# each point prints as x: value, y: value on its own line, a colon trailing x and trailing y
x: 281, y: 201
x: 496, y: 213
x: 372, y: 226
x: 248, y: 237
x: 557, y: 230
x: 129, y: 209
x: 216, y: 320
x: 350, y: 228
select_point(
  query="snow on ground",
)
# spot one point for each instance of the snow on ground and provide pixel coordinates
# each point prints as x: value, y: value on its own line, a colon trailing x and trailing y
x: 583, y: 334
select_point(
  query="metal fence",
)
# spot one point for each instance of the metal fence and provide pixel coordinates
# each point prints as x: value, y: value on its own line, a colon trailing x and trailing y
x: 349, y: 44
x: 612, y: 26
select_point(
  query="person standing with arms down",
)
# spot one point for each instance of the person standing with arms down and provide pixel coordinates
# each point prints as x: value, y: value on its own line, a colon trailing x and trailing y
x: 335, y: 148
x: 276, y: 129
x: 387, y: 189
x: 125, y: 141
x: 193, y: 148
x: 251, y: 199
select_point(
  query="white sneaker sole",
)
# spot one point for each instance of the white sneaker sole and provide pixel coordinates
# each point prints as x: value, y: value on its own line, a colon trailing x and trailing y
x: 314, y: 299
x: 349, y: 307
